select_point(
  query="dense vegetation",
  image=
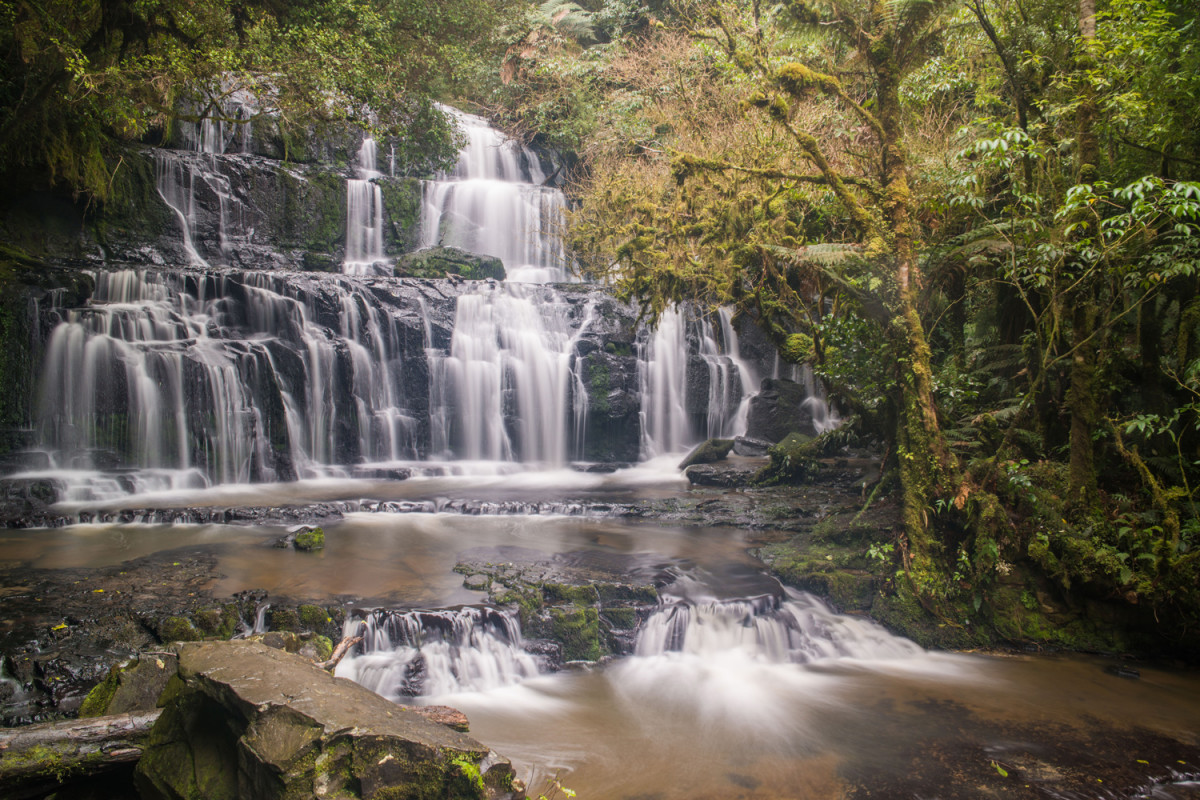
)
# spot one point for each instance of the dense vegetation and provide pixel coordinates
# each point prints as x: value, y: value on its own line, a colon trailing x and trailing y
x: 78, y: 79
x: 976, y: 221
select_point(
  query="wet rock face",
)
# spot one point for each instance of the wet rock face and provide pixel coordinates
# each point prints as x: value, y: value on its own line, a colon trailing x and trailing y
x: 781, y: 408
x: 243, y: 720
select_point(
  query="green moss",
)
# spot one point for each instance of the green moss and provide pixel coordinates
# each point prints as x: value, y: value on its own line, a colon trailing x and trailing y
x: 577, y: 630
x: 798, y: 348
x: 217, y: 623
x: 323, y: 646
x: 283, y: 619
x: 97, y: 700
x: 313, y: 618
x: 441, y: 262
x: 620, y: 618
x: 402, y: 209
x: 560, y: 593
x: 792, y: 461
x: 178, y: 629
x: 310, y: 540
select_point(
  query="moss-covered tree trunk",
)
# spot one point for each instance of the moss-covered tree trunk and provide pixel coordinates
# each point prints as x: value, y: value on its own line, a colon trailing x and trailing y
x: 924, y: 458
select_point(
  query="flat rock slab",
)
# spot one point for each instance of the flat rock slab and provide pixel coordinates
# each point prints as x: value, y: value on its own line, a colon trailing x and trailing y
x: 245, y: 720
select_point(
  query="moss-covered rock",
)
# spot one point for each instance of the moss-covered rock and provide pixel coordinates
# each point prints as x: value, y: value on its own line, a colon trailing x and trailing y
x: 443, y: 262
x: 131, y: 687
x: 250, y: 721
x: 309, y: 540
x: 707, y: 452
x: 178, y: 629
x: 793, y: 461
x: 577, y: 630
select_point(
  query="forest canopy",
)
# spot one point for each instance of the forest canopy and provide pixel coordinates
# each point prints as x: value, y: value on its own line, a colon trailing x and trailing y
x: 79, y: 78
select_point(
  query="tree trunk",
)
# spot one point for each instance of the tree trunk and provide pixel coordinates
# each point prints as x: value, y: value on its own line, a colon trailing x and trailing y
x: 36, y: 758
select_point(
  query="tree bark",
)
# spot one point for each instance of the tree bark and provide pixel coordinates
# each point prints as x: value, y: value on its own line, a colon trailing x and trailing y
x: 35, y: 758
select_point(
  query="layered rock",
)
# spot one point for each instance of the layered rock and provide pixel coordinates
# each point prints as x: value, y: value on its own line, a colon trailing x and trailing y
x: 244, y: 720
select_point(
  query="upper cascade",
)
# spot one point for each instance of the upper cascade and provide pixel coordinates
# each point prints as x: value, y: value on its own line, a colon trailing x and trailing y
x: 495, y: 202
x: 364, y: 218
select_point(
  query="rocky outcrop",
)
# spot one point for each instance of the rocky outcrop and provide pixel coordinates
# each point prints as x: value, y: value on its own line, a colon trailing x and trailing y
x: 244, y: 720
x: 780, y: 408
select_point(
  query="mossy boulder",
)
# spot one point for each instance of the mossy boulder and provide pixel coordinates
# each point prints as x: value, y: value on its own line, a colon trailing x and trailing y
x: 247, y: 720
x: 309, y: 540
x: 135, y: 686
x: 443, y: 262
x: 793, y: 461
x: 708, y: 452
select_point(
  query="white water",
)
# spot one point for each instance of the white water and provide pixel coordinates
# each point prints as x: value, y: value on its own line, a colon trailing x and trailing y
x: 189, y: 378
x: 364, y: 218
x: 493, y: 203
x: 180, y: 176
x: 663, y: 374
x: 511, y: 390
x: 406, y: 654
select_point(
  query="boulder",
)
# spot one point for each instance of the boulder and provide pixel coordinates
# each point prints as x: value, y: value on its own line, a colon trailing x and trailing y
x: 779, y: 409
x: 728, y: 476
x: 752, y: 448
x: 708, y: 452
x: 443, y: 262
x: 244, y: 720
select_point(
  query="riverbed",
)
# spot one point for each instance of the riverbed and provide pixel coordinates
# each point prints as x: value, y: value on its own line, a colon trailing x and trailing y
x: 735, y: 687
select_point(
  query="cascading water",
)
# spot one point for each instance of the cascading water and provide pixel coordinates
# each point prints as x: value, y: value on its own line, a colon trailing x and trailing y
x: 223, y: 378
x: 511, y: 388
x: 180, y: 175
x: 494, y: 203
x: 427, y: 654
x: 433, y: 653
x: 663, y: 372
x: 364, y: 218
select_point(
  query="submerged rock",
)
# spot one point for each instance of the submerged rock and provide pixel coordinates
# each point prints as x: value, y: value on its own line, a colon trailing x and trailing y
x: 309, y: 540
x: 244, y: 720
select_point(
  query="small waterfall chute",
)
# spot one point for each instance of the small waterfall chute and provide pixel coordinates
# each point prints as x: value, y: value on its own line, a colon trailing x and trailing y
x: 364, y: 217
x: 408, y: 654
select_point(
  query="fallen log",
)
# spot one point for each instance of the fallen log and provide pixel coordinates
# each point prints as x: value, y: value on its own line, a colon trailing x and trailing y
x: 35, y: 757
x: 340, y: 652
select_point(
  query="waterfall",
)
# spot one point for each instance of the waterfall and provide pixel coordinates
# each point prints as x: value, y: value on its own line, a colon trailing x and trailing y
x: 662, y: 373
x: 665, y: 380
x: 493, y: 203
x: 364, y: 218
x: 178, y: 176
x: 796, y: 628
x: 225, y: 378
x: 730, y: 378
x: 511, y: 388
x: 432, y: 653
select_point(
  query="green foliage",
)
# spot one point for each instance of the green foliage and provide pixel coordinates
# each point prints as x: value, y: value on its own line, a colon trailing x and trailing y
x: 79, y: 77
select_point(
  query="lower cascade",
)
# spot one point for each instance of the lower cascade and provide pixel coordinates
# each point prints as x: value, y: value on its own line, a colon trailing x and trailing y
x: 432, y: 653
x: 428, y: 654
